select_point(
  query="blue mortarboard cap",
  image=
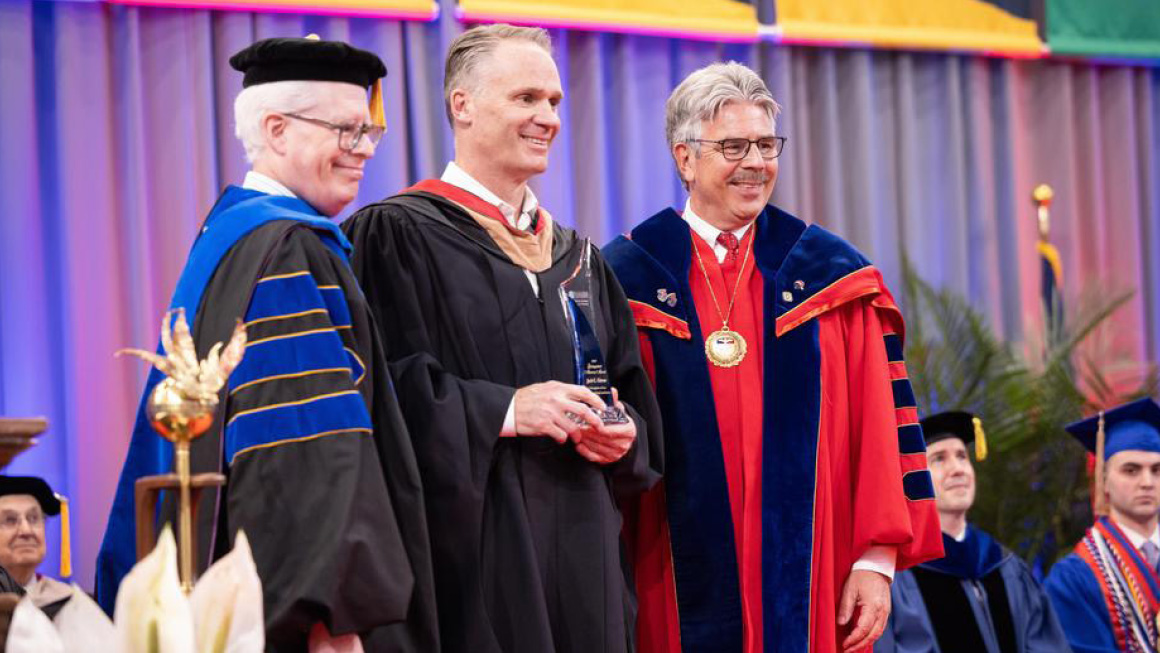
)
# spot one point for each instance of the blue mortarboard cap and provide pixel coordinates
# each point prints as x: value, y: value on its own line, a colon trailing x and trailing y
x: 1134, y: 426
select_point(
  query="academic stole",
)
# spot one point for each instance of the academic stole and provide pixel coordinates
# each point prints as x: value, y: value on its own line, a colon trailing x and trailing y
x: 1131, y: 602
x: 531, y: 251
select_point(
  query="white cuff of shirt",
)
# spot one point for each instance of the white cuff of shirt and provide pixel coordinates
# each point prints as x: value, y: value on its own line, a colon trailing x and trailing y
x: 880, y: 559
x: 509, y: 431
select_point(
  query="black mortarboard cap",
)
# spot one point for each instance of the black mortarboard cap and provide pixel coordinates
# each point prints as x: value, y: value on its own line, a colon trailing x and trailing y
x: 34, y: 486
x: 956, y: 424
x: 307, y: 59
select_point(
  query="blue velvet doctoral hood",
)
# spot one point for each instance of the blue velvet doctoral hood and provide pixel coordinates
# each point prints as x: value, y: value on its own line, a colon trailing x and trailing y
x: 237, y: 212
x: 972, y: 559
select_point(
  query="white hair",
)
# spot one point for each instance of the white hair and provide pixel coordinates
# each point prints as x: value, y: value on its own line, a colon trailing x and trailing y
x: 256, y: 102
x: 702, y: 95
x: 470, y: 47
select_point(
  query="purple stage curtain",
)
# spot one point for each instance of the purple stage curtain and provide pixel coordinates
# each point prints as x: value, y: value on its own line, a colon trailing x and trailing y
x: 116, y: 134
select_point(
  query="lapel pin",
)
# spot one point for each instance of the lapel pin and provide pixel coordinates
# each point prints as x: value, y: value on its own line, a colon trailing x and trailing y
x: 666, y: 297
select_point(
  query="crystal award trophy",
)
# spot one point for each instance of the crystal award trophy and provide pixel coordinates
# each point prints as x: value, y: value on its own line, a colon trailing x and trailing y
x: 580, y: 315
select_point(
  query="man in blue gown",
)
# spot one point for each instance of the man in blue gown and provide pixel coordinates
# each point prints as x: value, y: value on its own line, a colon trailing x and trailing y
x: 1106, y: 591
x: 980, y: 598
x: 321, y: 473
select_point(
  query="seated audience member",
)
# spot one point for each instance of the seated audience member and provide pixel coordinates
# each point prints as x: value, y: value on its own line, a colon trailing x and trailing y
x: 979, y: 598
x: 25, y: 503
x: 1106, y: 592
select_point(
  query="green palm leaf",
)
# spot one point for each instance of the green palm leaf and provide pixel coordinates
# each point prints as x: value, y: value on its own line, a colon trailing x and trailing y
x: 1033, y: 492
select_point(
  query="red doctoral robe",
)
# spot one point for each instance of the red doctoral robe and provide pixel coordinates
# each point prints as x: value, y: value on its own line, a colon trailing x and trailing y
x: 750, y: 551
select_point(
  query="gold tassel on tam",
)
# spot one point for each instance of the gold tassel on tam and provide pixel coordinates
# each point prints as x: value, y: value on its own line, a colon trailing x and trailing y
x: 980, y: 440
x: 378, y: 114
x: 65, y: 539
x: 1099, y: 504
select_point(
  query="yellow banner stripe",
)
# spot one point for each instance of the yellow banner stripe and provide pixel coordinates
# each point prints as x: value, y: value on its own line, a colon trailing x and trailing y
x: 947, y: 24
x: 724, y: 17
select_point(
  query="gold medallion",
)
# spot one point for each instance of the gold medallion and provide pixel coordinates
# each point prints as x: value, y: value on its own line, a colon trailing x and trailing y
x: 725, y: 348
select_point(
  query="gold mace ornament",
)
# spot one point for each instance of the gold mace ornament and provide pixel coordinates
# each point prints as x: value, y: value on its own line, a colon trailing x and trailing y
x: 180, y: 420
x: 1042, y: 196
x: 182, y: 407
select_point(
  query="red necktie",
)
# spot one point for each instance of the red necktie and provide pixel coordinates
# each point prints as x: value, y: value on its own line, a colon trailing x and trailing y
x: 731, y: 244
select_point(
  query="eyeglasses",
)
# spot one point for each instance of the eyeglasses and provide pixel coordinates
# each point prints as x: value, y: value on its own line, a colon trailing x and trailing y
x: 349, y: 136
x: 736, y: 149
x: 10, y: 521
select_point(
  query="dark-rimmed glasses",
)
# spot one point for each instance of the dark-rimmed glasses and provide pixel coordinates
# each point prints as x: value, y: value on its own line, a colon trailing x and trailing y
x: 349, y: 136
x: 736, y: 149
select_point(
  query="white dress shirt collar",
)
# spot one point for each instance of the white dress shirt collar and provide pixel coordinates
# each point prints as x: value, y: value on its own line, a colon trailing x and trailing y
x: 709, y: 233
x: 459, y: 178
x: 1137, y: 540
x: 962, y: 536
x: 260, y: 182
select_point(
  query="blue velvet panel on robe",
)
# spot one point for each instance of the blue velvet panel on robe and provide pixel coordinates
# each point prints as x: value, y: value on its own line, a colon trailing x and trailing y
x: 657, y: 258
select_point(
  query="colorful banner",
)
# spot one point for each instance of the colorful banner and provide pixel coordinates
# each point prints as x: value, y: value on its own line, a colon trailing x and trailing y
x: 1014, y: 28
x: 1111, y: 28
x: 975, y: 25
x: 397, y: 9
x: 721, y: 20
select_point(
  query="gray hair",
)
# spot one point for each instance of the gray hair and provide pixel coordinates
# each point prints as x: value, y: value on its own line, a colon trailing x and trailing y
x: 254, y: 103
x: 706, y: 91
x: 470, y: 47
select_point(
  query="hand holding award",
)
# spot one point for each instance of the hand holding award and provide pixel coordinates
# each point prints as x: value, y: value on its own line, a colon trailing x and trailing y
x: 580, y: 314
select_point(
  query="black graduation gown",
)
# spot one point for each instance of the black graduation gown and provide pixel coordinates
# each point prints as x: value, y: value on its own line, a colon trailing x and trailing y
x: 336, y: 523
x: 524, y: 531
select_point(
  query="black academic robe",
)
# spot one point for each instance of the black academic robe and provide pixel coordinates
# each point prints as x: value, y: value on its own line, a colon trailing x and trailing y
x: 320, y: 472
x: 8, y: 585
x: 980, y: 598
x: 524, y: 531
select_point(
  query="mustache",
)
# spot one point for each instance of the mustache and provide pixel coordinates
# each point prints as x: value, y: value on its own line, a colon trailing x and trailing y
x: 748, y: 177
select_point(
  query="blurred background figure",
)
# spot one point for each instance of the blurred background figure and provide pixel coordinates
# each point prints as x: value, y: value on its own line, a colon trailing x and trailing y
x: 25, y: 503
x: 1107, y: 590
x: 980, y: 597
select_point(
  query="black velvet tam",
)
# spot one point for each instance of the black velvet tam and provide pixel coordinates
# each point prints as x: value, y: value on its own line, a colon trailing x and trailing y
x: 951, y: 424
x: 307, y: 59
x: 37, y: 487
